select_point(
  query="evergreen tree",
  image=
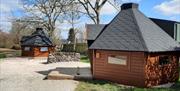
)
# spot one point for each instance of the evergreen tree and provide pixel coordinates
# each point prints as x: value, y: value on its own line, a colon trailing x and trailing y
x: 71, y: 37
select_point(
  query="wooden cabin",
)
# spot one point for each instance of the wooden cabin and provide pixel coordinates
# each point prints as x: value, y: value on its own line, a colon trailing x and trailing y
x: 133, y: 50
x: 38, y: 44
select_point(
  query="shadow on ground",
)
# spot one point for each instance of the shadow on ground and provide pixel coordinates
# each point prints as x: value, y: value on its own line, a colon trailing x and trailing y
x: 68, y: 71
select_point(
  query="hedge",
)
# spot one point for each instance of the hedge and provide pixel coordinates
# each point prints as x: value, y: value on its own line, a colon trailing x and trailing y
x: 67, y: 48
x: 80, y: 48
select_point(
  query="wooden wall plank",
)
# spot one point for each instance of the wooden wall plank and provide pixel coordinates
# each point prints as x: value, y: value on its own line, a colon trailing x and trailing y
x: 134, y: 70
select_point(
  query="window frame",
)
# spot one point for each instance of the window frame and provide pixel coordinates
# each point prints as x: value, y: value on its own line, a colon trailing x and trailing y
x: 115, y: 56
x: 44, y: 50
x: 25, y: 48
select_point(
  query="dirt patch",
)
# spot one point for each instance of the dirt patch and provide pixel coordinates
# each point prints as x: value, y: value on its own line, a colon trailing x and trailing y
x: 23, y: 74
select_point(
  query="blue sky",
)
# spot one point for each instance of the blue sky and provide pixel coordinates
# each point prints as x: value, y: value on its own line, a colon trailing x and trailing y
x: 163, y: 9
x: 154, y: 8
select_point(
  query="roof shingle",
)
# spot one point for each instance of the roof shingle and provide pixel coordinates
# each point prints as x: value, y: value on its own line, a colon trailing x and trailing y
x: 93, y: 30
x: 38, y: 38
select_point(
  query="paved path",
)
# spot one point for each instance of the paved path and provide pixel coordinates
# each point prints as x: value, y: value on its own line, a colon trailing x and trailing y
x: 23, y: 74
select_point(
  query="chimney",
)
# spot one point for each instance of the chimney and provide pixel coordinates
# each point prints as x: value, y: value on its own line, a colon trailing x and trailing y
x: 129, y: 6
x: 39, y: 29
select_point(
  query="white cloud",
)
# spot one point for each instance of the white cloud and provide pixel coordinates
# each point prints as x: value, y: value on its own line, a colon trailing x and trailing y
x: 175, y: 18
x: 108, y: 9
x: 7, y: 8
x: 135, y: 1
x: 171, y: 7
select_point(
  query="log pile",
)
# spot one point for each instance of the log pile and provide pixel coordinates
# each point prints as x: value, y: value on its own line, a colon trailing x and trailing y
x: 152, y: 72
x: 156, y: 74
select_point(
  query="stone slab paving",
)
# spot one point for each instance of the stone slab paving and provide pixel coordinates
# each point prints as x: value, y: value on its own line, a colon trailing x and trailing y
x: 27, y: 74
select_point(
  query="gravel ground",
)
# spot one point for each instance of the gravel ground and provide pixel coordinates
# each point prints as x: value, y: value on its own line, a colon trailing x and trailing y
x: 25, y: 74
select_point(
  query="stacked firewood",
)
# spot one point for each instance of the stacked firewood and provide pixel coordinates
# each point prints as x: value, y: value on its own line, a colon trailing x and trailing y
x: 152, y: 72
x: 156, y: 74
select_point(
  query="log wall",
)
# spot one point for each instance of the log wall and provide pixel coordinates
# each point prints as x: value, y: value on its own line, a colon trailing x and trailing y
x: 130, y: 74
x: 35, y: 52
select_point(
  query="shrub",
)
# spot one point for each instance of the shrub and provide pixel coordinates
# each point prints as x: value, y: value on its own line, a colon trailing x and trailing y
x: 80, y: 48
x: 67, y: 48
x: 17, y: 53
x: 16, y: 47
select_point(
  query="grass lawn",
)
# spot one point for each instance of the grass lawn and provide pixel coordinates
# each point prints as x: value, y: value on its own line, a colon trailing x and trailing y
x: 4, y: 52
x: 2, y: 55
x: 84, y: 59
x: 99, y: 85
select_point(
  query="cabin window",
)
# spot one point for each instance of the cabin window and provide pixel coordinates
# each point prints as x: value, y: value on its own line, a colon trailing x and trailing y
x: 122, y: 60
x: 163, y: 60
x: 27, y: 48
x: 44, y: 49
x: 97, y: 55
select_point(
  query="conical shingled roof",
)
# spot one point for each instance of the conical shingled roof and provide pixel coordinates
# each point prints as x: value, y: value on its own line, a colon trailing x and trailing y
x: 131, y: 30
x: 38, y: 38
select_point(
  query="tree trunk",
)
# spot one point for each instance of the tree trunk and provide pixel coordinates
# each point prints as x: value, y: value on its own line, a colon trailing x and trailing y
x: 74, y: 42
x: 98, y: 16
x: 74, y: 45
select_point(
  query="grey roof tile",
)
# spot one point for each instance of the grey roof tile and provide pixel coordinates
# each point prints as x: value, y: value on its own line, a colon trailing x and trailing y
x: 38, y: 38
x: 93, y: 30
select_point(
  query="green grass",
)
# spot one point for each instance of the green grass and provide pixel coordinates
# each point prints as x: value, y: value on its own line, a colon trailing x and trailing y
x: 97, y: 85
x: 9, y: 53
x: 2, y: 55
x: 100, y: 85
x: 84, y: 59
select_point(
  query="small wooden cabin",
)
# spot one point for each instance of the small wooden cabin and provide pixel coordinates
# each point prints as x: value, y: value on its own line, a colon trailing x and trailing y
x: 133, y: 50
x: 36, y: 45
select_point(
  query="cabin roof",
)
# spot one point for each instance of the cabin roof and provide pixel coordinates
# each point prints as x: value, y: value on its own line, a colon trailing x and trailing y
x: 93, y: 30
x: 37, y: 38
x: 131, y: 30
x: 163, y: 20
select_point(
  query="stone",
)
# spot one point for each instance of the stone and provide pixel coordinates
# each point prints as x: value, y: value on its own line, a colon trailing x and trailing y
x: 55, y: 75
x: 78, y: 55
x: 63, y: 56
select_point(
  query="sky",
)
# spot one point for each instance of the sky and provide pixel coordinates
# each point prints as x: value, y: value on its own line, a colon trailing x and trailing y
x: 162, y: 9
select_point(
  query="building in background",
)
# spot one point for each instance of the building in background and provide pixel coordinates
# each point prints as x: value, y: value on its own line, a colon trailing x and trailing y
x: 92, y: 31
x: 37, y: 45
x: 170, y: 27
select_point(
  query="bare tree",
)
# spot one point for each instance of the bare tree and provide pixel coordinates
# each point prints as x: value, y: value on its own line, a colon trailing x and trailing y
x: 73, y: 15
x: 19, y: 29
x: 47, y: 12
x: 93, y: 8
x: 0, y: 28
x: 6, y: 40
